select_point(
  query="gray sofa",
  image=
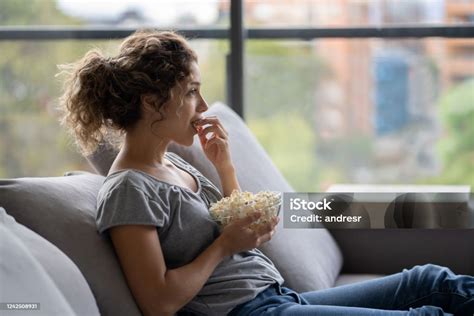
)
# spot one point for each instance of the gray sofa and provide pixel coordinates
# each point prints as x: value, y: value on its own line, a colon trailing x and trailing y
x: 52, y: 254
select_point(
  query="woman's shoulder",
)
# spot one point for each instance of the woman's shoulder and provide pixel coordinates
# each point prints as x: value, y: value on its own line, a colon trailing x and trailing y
x: 175, y: 158
x: 125, y: 176
x: 125, y: 180
x: 179, y: 161
x: 128, y: 197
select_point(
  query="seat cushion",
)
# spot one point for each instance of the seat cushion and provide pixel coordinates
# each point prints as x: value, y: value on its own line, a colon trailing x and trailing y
x: 308, y: 259
x: 62, y: 210
x: 345, y: 279
x: 35, y: 271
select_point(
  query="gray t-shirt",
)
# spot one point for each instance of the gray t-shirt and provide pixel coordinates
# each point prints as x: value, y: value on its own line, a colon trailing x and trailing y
x: 185, y: 229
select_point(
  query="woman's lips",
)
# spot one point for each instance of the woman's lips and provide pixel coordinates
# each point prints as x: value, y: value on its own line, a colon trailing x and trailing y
x: 196, y: 126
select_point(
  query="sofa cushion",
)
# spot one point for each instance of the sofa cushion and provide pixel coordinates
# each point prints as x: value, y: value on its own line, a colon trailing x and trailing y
x: 347, y: 278
x: 308, y: 259
x: 62, y: 210
x: 35, y: 258
x: 24, y: 280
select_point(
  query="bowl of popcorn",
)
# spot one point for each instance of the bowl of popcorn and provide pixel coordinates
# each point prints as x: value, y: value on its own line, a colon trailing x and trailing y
x: 241, y: 204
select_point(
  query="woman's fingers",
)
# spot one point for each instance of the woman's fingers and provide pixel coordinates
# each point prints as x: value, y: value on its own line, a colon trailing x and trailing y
x: 216, y: 129
x: 270, y: 225
x: 265, y: 237
x: 275, y: 220
x: 265, y: 228
x: 214, y: 126
x: 214, y: 121
x: 210, y: 119
x: 203, y: 139
x: 248, y: 219
x: 215, y: 140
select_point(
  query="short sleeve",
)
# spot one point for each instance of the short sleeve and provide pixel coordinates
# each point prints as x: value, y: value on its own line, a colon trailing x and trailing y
x: 127, y: 203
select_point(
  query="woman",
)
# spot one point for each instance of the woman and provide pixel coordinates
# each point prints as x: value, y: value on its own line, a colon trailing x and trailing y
x: 154, y: 205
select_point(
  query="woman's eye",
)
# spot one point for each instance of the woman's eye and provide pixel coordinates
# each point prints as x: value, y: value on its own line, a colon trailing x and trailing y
x: 193, y: 92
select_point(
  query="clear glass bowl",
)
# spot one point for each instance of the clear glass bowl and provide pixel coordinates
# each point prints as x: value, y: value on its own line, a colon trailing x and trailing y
x: 267, y: 213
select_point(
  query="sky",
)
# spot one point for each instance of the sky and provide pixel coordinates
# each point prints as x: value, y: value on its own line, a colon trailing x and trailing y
x: 160, y: 12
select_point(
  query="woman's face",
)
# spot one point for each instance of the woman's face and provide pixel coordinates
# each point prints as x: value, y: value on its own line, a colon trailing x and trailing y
x: 185, y: 106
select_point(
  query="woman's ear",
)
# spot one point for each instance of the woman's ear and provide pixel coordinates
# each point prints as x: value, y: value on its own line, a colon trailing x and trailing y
x: 149, y: 103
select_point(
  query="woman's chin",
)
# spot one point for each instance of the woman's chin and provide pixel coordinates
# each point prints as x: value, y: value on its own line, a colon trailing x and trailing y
x: 190, y: 143
x: 187, y: 142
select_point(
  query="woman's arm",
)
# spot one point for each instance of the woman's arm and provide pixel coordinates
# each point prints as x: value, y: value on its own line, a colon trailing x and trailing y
x: 217, y: 151
x: 229, y: 180
x: 162, y: 291
x: 158, y: 290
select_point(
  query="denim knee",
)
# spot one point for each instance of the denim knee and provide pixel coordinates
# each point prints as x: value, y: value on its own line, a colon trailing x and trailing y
x: 431, y: 273
x: 427, y: 311
x: 431, y: 268
x: 424, y: 279
x: 455, y: 291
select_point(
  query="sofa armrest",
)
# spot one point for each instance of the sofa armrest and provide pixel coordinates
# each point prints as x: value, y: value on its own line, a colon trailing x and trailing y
x: 387, y: 251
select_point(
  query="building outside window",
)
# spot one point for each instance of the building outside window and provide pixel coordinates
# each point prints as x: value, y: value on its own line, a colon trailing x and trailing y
x: 328, y: 110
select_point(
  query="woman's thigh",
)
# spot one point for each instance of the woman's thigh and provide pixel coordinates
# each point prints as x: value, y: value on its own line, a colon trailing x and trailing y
x: 421, y: 285
x: 423, y: 290
x: 327, y: 310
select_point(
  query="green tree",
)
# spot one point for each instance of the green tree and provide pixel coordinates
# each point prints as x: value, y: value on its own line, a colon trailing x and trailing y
x: 290, y: 141
x: 280, y: 81
x: 456, y: 147
x: 32, y: 12
x: 31, y: 140
x: 281, y: 78
x: 212, y: 64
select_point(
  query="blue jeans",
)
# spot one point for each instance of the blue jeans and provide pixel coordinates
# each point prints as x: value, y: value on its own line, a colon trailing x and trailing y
x: 422, y: 290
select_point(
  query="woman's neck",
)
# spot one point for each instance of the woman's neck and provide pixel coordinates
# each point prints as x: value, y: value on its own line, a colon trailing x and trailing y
x: 144, y: 148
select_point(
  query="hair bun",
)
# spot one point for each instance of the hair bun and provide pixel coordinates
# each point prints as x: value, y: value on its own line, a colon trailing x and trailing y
x: 102, y: 92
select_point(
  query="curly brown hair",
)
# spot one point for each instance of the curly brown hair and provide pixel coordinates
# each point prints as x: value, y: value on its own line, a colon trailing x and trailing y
x: 102, y: 95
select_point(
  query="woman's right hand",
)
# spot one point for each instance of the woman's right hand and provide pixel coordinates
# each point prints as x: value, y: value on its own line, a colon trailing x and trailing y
x: 237, y: 236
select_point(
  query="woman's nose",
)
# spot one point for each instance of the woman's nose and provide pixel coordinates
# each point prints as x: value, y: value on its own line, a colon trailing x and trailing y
x: 202, y: 107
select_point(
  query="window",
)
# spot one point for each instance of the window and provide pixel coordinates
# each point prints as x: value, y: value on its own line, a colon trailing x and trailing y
x: 329, y: 110
x: 363, y: 111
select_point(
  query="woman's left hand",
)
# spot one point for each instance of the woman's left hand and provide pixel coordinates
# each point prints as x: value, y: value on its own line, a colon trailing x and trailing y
x: 216, y: 147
